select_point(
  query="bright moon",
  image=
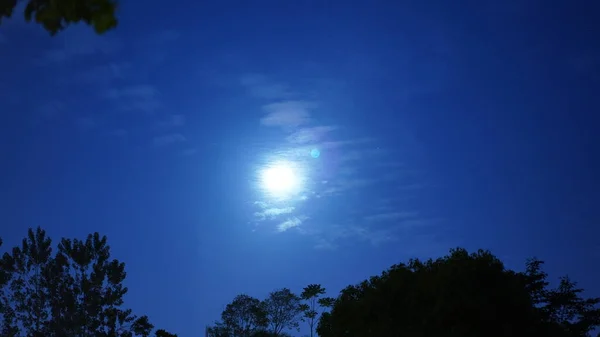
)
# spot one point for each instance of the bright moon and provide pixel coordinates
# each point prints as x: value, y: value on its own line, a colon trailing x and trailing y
x: 280, y: 179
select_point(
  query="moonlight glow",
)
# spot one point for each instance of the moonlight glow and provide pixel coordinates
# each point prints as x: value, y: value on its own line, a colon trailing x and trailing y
x: 281, y: 179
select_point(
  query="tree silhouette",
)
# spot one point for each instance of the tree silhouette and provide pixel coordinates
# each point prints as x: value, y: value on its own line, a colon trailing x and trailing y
x: 310, y: 294
x: 55, y: 16
x: 460, y: 294
x: 164, y: 333
x: 247, y: 316
x: 24, y: 307
x: 283, y: 309
x: 76, y: 292
x: 243, y: 317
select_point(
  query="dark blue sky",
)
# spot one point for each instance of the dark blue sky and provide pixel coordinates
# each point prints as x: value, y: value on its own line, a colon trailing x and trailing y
x: 439, y: 124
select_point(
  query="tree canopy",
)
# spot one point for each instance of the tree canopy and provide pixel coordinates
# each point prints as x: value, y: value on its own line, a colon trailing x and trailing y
x: 461, y: 294
x: 311, y: 294
x: 76, y: 290
x: 54, y: 16
x: 247, y: 316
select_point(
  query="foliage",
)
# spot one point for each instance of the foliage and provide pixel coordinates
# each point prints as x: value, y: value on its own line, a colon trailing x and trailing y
x: 247, y: 316
x: 310, y: 294
x: 460, y: 294
x: 244, y: 316
x: 78, y: 291
x: 164, y: 333
x: 283, y: 309
x: 55, y: 15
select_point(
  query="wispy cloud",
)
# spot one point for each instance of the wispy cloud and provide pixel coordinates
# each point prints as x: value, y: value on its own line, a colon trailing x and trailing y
x: 287, y: 114
x: 172, y: 121
x: 51, y: 110
x: 161, y: 37
x: 135, y: 98
x: 86, y: 123
x: 125, y: 104
x: 344, y: 168
x: 340, y: 143
x: 189, y: 152
x: 332, y: 237
x: 158, y: 47
x: 101, y: 74
x: 78, y: 41
x: 132, y: 91
x: 391, y: 216
x: 310, y: 135
x: 271, y: 213
x: 118, y: 133
x: 289, y: 223
x: 169, y: 139
x: 259, y: 86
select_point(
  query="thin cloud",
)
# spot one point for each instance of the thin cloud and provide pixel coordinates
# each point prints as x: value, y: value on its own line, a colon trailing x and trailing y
x: 412, y: 187
x: 51, y: 110
x: 259, y: 86
x: 287, y: 114
x: 158, y: 46
x: 169, y: 139
x: 310, y: 134
x: 189, y: 152
x: 132, y: 91
x: 390, y: 216
x: 135, y: 98
x: 172, y: 121
x: 271, y: 213
x: 289, y: 223
x: 335, y: 236
x: 354, y: 155
x: 78, y: 41
x: 340, y: 143
x: 346, y: 167
x: 161, y: 38
x: 102, y: 74
x: 119, y: 133
x: 261, y: 204
x: 323, y: 244
x: 86, y: 123
x: 342, y: 185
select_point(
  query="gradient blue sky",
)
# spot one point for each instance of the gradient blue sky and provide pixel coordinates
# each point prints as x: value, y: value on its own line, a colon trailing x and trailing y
x: 440, y: 124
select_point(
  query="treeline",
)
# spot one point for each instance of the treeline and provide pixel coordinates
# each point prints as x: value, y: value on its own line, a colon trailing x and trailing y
x: 282, y: 310
x: 461, y: 294
x: 74, y: 290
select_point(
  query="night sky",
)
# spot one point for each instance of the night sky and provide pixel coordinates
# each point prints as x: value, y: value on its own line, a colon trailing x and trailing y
x: 230, y: 147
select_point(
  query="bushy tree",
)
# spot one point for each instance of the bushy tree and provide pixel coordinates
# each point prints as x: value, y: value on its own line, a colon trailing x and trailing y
x: 283, y: 309
x: 460, y: 294
x: 28, y: 294
x: 78, y: 291
x: 243, y: 317
x: 56, y: 15
x: 247, y: 316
